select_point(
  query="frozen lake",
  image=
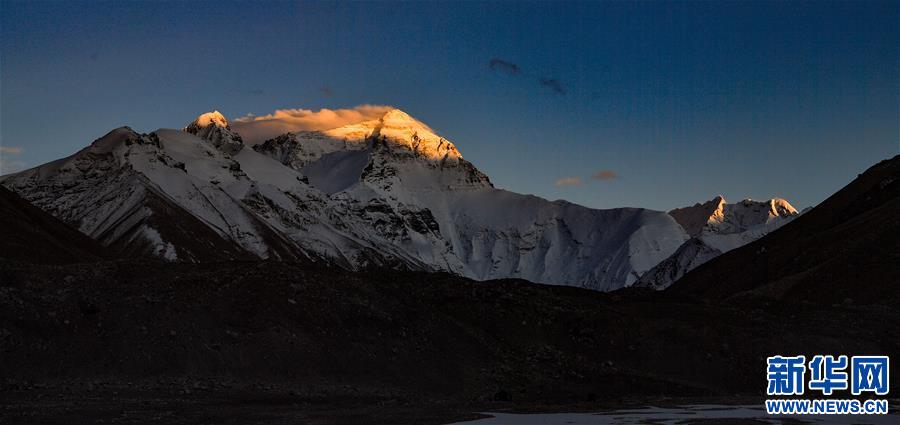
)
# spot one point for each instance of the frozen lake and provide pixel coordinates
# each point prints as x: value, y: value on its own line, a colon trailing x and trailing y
x: 678, y: 415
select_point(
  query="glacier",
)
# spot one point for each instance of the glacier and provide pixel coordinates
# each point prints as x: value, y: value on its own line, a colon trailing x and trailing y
x: 386, y: 192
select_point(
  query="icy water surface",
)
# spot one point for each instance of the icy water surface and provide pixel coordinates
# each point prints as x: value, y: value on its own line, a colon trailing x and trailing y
x: 679, y: 415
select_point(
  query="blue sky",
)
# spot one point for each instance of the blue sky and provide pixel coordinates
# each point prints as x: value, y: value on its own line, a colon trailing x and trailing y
x: 681, y: 101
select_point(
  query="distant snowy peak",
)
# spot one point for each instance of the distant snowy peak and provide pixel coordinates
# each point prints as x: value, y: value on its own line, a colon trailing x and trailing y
x: 716, y: 227
x: 385, y: 192
x: 782, y: 207
x: 403, y: 130
x: 407, y: 154
x: 694, y: 218
x: 391, y: 151
x: 749, y: 214
x: 213, y: 127
x: 396, y: 132
x: 718, y: 216
x: 208, y: 119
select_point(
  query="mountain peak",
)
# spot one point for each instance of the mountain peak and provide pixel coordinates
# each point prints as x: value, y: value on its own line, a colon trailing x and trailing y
x: 400, y: 124
x: 781, y: 206
x: 397, y: 129
x: 775, y: 206
x: 401, y: 129
x: 213, y: 127
x: 719, y: 214
x: 210, y: 118
x: 694, y: 218
x: 397, y: 116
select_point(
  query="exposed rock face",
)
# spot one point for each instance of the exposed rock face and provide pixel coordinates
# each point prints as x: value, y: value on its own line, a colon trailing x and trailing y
x: 386, y: 192
x: 134, y: 194
x: 718, y: 216
x: 689, y: 256
x: 213, y: 127
x: 716, y: 227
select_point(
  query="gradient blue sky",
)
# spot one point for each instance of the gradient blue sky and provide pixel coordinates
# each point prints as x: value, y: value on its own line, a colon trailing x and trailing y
x: 683, y: 101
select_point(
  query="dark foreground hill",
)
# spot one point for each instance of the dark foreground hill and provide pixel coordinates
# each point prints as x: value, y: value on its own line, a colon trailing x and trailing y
x: 845, y: 250
x: 132, y: 341
x: 30, y: 234
x: 281, y: 343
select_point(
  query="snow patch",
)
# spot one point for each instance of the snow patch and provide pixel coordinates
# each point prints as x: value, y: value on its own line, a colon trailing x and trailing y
x: 210, y: 118
x: 162, y: 248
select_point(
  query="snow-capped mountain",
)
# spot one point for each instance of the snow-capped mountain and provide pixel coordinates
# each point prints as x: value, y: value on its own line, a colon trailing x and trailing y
x: 716, y: 227
x: 385, y: 192
x: 213, y: 127
x: 133, y: 193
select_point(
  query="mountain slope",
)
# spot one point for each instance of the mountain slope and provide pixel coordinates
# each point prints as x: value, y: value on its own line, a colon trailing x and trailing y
x: 475, y: 230
x: 388, y: 192
x: 716, y: 227
x: 845, y: 250
x: 127, y: 192
x: 30, y: 234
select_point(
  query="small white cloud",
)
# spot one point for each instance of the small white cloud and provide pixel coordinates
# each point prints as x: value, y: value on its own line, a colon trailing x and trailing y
x: 568, y: 181
x: 8, y: 161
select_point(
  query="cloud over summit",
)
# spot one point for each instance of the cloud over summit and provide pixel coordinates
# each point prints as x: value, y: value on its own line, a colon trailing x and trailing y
x: 255, y: 129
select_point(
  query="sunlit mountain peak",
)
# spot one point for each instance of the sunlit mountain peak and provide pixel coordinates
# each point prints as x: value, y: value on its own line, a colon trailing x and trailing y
x: 210, y: 118
x: 213, y: 127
